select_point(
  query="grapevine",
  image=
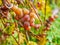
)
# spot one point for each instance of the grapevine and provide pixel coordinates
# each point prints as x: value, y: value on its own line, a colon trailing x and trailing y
x: 22, y: 20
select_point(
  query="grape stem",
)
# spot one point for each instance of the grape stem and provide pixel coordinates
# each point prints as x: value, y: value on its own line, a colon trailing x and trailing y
x: 27, y: 35
x: 15, y: 39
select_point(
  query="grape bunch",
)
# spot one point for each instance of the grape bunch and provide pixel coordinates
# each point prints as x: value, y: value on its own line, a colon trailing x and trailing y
x: 49, y: 21
x: 26, y: 17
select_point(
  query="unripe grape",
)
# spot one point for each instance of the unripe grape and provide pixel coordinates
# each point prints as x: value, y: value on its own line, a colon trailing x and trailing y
x: 18, y: 11
x: 55, y: 16
x: 32, y: 20
x: 13, y: 32
x: 33, y: 15
x: 25, y: 11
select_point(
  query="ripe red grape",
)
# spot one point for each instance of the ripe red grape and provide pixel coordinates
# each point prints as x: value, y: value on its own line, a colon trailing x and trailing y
x: 27, y: 25
x: 12, y: 32
x: 51, y: 19
x: 25, y: 18
x: 32, y: 24
x: 37, y: 26
x: 39, y: 5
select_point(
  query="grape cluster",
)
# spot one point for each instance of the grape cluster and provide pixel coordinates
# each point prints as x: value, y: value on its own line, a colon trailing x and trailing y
x: 26, y: 17
x: 47, y: 24
x: 49, y: 21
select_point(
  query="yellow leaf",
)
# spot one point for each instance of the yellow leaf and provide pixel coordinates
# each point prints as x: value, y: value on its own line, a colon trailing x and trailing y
x: 31, y: 43
x: 42, y: 41
x: 0, y: 2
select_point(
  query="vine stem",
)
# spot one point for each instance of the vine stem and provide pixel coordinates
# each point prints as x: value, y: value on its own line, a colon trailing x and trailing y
x: 45, y: 9
x: 10, y: 35
x: 27, y: 35
x: 17, y: 30
x: 32, y: 6
x: 15, y: 39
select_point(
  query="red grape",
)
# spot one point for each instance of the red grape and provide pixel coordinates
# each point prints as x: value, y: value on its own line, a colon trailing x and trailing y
x: 12, y: 32
x: 37, y: 26
x: 27, y: 25
x: 25, y: 18
x: 39, y: 5
x: 32, y: 24
x: 51, y: 19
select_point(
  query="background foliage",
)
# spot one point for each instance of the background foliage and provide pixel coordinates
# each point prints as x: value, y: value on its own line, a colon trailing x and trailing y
x: 53, y: 35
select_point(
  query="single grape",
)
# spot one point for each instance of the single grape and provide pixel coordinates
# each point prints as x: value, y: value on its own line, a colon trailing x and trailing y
x: 32, y: 20
x: 16, y: 17
x: 39, y: 5
x: 25, y: 18
x: 32, y: 24
x: 18, y: 11
x: 25, y: 11
x: 51, y: 19
x: 28, y: 28
x: 55, y: 16
x: 47, y: 28
x: 33, y: 15
x: 47, y: 25
x: 27, y: 25
x: 13, y: 32
x: 37, y: 26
